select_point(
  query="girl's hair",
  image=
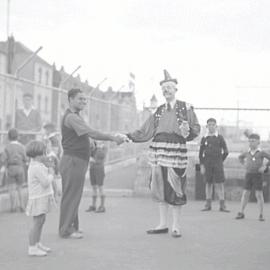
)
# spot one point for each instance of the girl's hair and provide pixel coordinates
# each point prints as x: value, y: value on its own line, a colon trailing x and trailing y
x: 13, y: 134
x: 35, y: 148
x: 254, y: 136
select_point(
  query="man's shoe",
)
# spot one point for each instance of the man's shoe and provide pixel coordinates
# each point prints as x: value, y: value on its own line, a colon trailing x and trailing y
x: 75, y: 235
x: 35, y: 251
x: 44, y: 248
x: 261, y: 218
x: 240, y: 216
x: 176, y: 234
x: 157, y: 231
x: 91, y: 209
x: 101, y: 209
x: 224, y: 210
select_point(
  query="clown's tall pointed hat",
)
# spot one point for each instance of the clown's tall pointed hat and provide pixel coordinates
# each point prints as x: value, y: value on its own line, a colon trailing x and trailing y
x: 168, y: 78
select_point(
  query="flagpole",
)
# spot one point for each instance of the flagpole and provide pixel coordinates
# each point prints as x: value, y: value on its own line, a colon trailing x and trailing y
x: 8, y: 16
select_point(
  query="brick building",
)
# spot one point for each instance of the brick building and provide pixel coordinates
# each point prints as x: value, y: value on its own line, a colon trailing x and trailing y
x: 37, y: 70
x: 108, y: 111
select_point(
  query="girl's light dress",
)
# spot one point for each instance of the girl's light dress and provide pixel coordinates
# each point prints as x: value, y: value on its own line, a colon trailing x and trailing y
x: 40, y: 191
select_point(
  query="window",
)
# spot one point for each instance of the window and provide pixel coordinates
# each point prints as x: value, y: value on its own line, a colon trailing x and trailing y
x: 47, y: 77
x: 39, y: 102
x: 46, y: 104
x: 40, y: 75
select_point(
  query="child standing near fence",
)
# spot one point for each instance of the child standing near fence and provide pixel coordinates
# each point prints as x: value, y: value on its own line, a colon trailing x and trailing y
x: 41, y: 197
x: 253, y: 161
x: 97, y: 175
x: 213, y: 152
x: 14, y: 160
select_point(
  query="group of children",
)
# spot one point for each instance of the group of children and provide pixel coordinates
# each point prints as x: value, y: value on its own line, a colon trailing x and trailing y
x: 213, y: 151
x: 40, y: 158
x: 42, y: 162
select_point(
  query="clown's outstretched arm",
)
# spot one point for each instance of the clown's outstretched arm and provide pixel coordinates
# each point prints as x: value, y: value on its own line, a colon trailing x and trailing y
x: 145, y: 133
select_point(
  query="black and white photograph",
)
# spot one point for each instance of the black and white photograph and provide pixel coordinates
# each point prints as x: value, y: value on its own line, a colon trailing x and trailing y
x: 135, y: 135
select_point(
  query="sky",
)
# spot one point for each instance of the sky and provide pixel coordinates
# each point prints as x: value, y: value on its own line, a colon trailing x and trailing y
x: 219, y: 50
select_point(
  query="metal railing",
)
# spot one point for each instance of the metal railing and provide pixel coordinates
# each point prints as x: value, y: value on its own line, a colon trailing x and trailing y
x: 51, y: 102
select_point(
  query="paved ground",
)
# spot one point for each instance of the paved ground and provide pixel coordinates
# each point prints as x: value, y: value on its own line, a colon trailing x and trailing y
x: 117, y: 240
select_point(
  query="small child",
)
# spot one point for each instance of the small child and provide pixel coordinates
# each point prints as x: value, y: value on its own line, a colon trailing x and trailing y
x: 213, y: 152
x: 14, y: 160
x: 51, y: 161
x: 53, y: 136
x: 253, y: 161
x: 41, y: 197
x: 97, y: 175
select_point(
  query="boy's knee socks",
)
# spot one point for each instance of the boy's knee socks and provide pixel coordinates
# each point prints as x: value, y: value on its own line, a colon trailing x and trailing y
x: 208, y: 203
x: 94, y: 200
x: 222, y: 204
x: 102, y: 200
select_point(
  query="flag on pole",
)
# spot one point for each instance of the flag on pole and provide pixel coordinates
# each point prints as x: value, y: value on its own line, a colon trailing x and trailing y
x: 131, y: 83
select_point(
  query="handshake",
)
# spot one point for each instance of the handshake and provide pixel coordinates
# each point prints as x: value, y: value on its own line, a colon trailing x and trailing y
x: 120, y: 138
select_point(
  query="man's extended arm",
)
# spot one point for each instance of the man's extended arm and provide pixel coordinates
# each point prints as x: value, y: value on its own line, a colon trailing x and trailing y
x: 75, y: 122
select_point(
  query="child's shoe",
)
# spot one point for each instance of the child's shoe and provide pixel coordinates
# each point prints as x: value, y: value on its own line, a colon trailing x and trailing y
x: 91, y: 209
x: 207, y: 205
x: 261, y: 218
x: 44, y: 248
x: 207, y: 208
x: 101, y: 209
x: 176, y: 233
x: 240, y: 216
x: 224, y: 209
x: 35, y: 251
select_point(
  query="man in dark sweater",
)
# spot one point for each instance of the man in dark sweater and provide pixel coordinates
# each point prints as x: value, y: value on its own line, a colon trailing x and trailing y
x: 213, y: 151
x: 74, y: 162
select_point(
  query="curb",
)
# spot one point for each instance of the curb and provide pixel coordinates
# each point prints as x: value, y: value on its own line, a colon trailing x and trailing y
x: 5, y: 202
x: 87, y: 192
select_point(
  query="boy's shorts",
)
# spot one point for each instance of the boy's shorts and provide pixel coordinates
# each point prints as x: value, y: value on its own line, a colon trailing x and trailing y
x: 15, y: 175
x: 214, y: 173
x: 97, y: 174
x: 253, y: 180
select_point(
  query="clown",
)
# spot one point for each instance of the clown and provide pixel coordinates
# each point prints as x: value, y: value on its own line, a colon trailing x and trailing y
x: 170, y: 127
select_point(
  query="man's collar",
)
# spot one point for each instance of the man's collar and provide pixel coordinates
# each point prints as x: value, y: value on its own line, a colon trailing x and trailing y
x: 212, y: 134
x: 74, y: 111
x: 27, y: 111
x: 30, y: 108
x: 254, y: 151
x: 172, y: 103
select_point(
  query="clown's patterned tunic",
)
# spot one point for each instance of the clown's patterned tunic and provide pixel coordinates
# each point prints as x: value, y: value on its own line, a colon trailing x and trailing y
x: 168, y: 152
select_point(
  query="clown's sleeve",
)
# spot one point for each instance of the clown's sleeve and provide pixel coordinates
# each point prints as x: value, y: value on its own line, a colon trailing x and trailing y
x: 194, y: 126
x: 145, y: 132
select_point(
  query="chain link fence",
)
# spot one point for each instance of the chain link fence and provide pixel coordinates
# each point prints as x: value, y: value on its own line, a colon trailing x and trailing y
x: 51, y: 103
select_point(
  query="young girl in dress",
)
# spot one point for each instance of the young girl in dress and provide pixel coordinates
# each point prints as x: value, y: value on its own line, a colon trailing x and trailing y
x: 41, y: 196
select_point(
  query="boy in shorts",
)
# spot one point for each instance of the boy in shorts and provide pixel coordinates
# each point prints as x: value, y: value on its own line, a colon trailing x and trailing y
x: 14, y: 159
x: 97, y: 175
x: 253, y: 161
x: 213, y: 152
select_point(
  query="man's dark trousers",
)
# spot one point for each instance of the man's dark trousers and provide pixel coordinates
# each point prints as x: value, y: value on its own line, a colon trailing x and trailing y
x: 73, y: 170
